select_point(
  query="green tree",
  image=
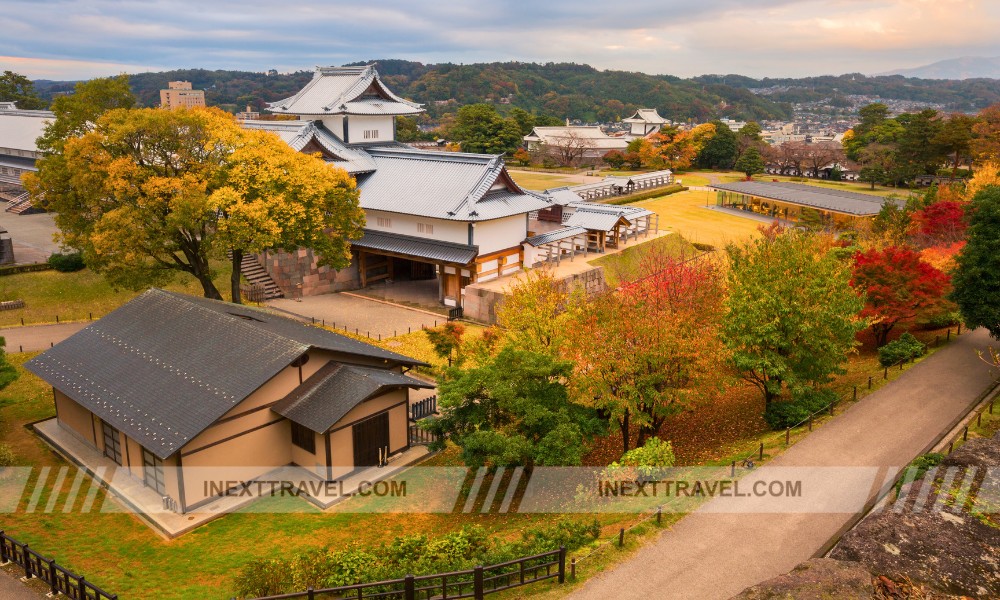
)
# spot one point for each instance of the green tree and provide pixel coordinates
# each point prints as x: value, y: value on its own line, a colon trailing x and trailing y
x: 408, y: 131
x: 750, y: 163
x: 792, y: 315
x: 7, y: 371
x: 513, y: 409
x: 954, y: 139
x: 917, y: 154
x: 479, y: 128
x: 719, y: 151
x: 157, y: 192
x: 15, y: 87
x: 976, y: 280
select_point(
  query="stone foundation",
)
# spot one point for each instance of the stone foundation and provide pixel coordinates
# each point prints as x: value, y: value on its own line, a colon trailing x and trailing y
x: 6, y: 251
x: 481, y: 304
x: 298, y: 273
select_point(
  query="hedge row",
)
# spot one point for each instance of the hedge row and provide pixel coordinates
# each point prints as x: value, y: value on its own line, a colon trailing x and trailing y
x: 15, y: 269
x: 656, y: 193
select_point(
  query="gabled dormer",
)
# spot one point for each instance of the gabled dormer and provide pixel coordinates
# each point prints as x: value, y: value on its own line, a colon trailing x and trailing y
x: 353, y: 103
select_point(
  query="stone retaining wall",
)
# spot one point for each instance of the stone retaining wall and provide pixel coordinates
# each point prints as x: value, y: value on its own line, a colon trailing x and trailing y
x: 298, y: 273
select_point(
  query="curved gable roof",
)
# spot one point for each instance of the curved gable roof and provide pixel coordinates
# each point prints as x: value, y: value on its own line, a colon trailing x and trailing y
x: 342, y: 90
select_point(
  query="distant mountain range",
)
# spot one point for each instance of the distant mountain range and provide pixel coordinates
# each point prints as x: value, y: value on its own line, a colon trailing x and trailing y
x: 966, y: 67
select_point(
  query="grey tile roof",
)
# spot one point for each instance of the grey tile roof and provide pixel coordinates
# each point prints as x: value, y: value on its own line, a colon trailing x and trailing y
x: 332, y: 391
x: 555, y: 235
x: 165, y: 366
x: 852, y: 203
x: 20, y: 128
x: 594, y: 221
x: 435, y: 250
x: 298, y: 134
x: 562, y: 196
x: 646, y: 115
x: 342, y: 90
x: 443, y: 185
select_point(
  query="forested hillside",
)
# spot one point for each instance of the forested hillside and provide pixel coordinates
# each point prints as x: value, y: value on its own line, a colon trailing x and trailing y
x: 557, y: 89
x: 968, y: 95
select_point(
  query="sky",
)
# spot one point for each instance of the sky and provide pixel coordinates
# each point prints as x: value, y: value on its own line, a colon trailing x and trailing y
x: 80, y: 39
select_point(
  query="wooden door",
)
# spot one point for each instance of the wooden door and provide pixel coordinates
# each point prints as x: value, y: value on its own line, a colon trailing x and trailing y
x: 370, y: 437
x: 452, y: 287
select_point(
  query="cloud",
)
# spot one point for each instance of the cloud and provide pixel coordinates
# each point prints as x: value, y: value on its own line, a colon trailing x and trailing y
x: 79, y: 38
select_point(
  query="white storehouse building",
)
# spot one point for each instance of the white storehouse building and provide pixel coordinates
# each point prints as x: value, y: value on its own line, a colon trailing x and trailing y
x: 455, y: 217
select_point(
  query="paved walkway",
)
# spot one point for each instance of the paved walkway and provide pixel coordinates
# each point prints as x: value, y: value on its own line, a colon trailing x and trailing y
x: 12, y: 589
x: 359, y: 314
x: 38, y: 337
x: 32, y: 235
x: 713, y: 553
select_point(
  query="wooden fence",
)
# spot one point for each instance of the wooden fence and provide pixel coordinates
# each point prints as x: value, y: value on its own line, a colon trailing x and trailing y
x: 475, y: 583
x: 59, y: 580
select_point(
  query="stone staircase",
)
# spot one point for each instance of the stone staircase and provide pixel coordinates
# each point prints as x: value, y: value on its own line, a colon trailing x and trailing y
x: 259, y: 279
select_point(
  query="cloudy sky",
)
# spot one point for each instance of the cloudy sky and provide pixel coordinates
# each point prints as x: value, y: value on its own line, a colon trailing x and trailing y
x: 78, y: 39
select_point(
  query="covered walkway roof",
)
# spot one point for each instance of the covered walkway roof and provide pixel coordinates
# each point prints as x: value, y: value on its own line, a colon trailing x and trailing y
x: 851, y: 203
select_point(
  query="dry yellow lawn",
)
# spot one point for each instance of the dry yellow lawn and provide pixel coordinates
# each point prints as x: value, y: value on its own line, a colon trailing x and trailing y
x: 685, y: 213
x: 541, y: 181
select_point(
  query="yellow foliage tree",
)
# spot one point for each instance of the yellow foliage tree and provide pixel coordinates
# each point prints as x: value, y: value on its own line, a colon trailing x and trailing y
x: 159, y: 192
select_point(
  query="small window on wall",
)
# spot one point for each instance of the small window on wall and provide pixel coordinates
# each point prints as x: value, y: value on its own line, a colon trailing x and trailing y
x: 304, y: 438
x: 425, y: 228
x: 371, y: 134
x: 383, y: 221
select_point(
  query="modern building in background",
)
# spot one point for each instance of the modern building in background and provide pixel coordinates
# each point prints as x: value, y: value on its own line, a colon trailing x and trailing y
x: 180, y: 95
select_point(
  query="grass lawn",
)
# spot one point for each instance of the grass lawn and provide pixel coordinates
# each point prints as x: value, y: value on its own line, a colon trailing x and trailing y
x: 685, y: 213
x: 626, y: 263
x: 691, y: 179
x: 541, y: 181
x: 74, y: 296
x: 850, y: 186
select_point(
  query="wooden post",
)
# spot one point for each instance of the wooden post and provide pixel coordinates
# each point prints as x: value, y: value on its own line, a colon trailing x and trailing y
x: 57, y: 318
x: 979, y: 419
x: 869, y: 382
x: 409, y: 588
x: 761, y: 454
x: 937, y: 341
x: 949, y: 334
x: 991, y: 412
x: 959, y: 332
x: 520, y: 568
x: 965, y: 434
x: 788, y: 434
x: 27, y: 561
x: 54, y: 589
x: 572, y: 569
x: 310, y: 593
x: 562, y: 564
x: 832, y: 404
x: 83, y: 588
x: 855, y: 396
x: 659, y: 514
x: 951, y: 444
x: 478, y: 591
x: 885, y: 374
x: 732, y: 469
x: 621, y: 537
x: 810, y: 422
x: 3, y: 549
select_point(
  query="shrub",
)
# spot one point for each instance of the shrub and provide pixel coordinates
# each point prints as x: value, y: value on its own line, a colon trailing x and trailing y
x: 7, y: 456
x: 654, y: 193
x: 67, y: 263
x: 804, y: 402
x: 940, y: 320
x: 652, y: 455
x: 922, y: 463
x: 896, y: 351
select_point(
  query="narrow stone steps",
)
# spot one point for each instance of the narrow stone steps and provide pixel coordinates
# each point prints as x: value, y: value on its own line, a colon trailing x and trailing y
x: 257, y: 275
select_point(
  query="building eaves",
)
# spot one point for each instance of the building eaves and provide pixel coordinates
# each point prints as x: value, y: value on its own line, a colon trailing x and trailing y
x: 432, y: 250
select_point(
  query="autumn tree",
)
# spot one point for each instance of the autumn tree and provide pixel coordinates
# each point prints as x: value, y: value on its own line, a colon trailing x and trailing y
x: 446, y: 340
x: 648, y: 349
x: 17, y: 88
x: 567, y: 148
x: 750, y: 162
x: 976, y: 280
x: 985, y: 143
x: 154, y: 193
x: 897, y: 287
x: 614, y: 159
x: 940, y: 223
x: 820, y: 155
x: 522, y: 157
x: 536, y: 311
x: 791, y: 315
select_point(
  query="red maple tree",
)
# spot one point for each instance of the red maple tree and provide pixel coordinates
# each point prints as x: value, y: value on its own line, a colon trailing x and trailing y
x: 940, y: 223
x: 898, y: 287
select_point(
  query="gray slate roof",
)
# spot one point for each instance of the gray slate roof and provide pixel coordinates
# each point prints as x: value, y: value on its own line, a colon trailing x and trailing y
x: 442, y: 185
x: 555, y: 235
x: 165, y: 366
x: 20, y: 128
x: 298, y: 134
x: 435, y: 250
x: 332, y: 391
x: 852, y: 203
x: 594, y: 221
x: 342, y: 90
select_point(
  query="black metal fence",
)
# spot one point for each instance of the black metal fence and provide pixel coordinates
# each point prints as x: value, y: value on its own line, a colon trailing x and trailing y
x: 59, y: 580
x: 475, y: 583
x: 423, y: 408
